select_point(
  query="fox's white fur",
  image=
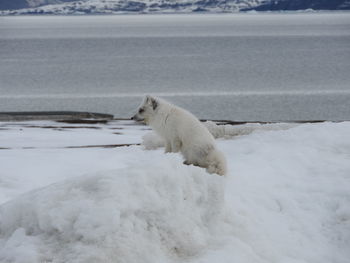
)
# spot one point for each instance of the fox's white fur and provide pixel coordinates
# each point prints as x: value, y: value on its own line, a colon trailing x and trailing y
x: 182, y: 132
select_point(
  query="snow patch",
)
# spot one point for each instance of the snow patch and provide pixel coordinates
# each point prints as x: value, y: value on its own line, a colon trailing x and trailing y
x: 228, y: 131
x: 144, y: 213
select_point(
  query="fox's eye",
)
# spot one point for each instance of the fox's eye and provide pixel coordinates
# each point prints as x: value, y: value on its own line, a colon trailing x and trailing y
x: 141, y: 110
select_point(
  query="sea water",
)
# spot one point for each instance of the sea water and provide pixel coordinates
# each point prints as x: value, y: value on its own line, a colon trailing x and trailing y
x: 249, y: 67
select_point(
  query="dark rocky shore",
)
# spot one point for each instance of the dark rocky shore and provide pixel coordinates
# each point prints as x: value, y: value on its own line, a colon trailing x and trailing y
x: 67, y: 116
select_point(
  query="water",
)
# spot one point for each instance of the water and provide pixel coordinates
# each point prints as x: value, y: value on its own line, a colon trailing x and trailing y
x: 239, y: 66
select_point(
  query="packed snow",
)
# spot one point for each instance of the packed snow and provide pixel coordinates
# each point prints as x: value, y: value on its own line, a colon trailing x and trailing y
x: 286, y: 197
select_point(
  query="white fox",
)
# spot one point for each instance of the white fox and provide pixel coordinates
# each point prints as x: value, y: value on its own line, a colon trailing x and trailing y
x: 182, y: 132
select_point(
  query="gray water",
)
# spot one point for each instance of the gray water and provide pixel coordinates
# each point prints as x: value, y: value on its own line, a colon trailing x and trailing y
x: 239, y: 66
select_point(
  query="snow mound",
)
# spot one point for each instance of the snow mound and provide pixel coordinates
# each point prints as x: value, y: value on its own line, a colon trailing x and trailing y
x: 227, y: 130
x: 146, y: 213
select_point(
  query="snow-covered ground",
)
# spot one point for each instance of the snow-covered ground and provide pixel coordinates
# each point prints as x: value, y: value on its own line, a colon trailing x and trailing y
x: 286, y: 197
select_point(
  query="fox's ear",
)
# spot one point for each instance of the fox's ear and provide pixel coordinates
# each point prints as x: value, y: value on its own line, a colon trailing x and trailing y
x: 154, y: 103
x: 148, y: 98
x: 151, y: 101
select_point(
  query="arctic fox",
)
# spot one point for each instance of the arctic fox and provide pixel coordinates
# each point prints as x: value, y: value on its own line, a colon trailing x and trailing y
x: 182, y: 132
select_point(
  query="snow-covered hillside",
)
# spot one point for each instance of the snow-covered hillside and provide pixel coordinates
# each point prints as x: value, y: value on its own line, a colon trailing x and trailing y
x: 68, y: 193
x: 139, y: 6
x: 160, y: 6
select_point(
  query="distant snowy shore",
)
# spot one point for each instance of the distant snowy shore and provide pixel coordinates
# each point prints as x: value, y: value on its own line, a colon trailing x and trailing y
x: 64, y: 7
x: 73, y: 193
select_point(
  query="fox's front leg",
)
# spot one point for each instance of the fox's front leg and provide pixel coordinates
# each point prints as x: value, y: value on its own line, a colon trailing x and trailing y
x: 167, y: 147
x: 176, y: 145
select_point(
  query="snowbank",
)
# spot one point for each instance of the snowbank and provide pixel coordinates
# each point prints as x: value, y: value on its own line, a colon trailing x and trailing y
x: 227, y: 130
x: 286, y: 199
x: 144, y: 213
x: 289, y: 195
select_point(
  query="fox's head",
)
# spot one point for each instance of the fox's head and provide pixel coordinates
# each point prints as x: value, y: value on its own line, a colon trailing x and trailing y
x: 146, y: 109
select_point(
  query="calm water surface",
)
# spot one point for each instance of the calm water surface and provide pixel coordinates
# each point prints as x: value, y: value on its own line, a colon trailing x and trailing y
x: 239, y: 67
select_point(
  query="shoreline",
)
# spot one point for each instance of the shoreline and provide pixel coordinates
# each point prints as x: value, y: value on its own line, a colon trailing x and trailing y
x: 53, y: 116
